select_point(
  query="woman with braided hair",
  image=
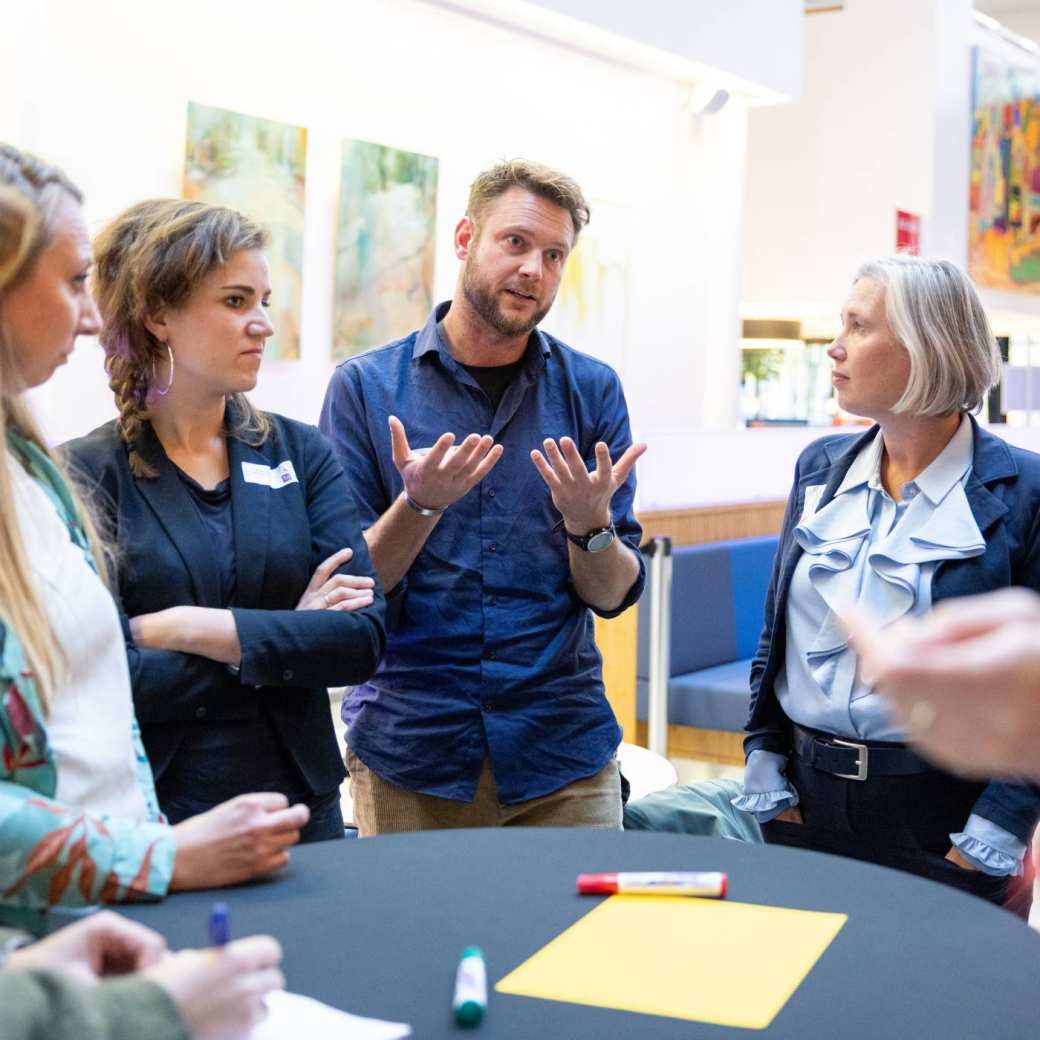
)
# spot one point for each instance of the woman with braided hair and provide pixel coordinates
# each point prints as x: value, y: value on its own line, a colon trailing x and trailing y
x: 79, y: 823
x: 244, y: 579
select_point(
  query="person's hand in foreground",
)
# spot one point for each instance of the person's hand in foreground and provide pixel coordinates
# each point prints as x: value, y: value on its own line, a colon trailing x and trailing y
x: 220, y: 992
x: 964, y: 681
x: 99, y: 945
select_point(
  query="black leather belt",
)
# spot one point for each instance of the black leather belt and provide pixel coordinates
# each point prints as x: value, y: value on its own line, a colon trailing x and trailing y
x: 857, y: 760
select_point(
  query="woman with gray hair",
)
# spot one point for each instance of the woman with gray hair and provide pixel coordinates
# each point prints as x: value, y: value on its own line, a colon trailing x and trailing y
x: 924, y: 506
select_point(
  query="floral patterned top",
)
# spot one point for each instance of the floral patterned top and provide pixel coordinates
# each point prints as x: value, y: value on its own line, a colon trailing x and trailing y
x: 52, y: 853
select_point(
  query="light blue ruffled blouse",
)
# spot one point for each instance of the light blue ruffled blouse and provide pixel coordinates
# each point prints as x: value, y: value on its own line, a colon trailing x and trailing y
x: 865, y: 548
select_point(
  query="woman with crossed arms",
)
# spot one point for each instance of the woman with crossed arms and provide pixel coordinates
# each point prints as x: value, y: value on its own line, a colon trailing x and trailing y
x: 243, y: 571
x: 923, y: 507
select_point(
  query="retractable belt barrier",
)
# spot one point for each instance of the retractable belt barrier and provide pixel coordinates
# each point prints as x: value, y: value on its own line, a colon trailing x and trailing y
x: 658, y: 552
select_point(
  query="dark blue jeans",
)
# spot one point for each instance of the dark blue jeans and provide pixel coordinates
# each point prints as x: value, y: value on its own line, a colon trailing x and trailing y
x: 902, y: 822
x: 325, y: 824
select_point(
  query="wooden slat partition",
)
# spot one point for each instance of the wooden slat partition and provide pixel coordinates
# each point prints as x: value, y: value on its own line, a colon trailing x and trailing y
x: 618, y: 637
x: 715, y: 523
x: 705, y: 745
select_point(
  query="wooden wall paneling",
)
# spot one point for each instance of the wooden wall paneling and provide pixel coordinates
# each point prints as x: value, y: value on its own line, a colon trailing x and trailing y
x: 617, y: 639
x: 705, y: 745
x: 714, y: 523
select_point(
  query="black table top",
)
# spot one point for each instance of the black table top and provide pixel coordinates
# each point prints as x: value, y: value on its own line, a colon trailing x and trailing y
x: 376, y: 927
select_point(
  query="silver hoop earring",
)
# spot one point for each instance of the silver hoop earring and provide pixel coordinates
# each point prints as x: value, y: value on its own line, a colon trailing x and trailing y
x: 163, y: 393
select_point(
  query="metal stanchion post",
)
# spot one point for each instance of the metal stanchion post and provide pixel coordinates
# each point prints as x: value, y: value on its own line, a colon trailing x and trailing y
x: 659, y: 553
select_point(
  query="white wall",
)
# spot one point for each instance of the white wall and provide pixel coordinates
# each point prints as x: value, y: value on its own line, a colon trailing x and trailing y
x: 884, y: 123
x: 827, y: 173
x: 110, y: 88
x: 709, y: 467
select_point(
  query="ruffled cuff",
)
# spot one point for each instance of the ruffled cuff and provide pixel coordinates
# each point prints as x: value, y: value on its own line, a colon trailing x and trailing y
x: 767, y: 792
x: 990, y: 848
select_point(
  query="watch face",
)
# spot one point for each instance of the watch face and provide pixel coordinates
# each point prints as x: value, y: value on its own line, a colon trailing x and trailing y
x: 600, y: 540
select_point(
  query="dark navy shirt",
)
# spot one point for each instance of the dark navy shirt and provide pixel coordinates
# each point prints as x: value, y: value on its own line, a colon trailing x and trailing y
x: 219, y: 759
x: 214, y: 508
x: 490, y: 651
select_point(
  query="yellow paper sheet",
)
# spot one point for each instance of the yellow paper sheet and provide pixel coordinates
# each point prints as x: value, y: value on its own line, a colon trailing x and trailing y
x: 731, y: 964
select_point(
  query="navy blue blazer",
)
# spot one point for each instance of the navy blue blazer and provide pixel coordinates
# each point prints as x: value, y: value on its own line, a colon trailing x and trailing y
x: 1004, y: 494
x: 164, y: 559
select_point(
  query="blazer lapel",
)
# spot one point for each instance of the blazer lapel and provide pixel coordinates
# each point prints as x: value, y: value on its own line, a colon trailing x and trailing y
x: 171, y: 502
x: 250, y: 516
x: 992, y: 462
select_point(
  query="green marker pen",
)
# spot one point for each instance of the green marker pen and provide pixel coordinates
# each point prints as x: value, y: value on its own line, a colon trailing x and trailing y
x: 470, y: 1001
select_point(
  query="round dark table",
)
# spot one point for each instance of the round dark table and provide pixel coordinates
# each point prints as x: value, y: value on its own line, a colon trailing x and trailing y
x: 376, y: 927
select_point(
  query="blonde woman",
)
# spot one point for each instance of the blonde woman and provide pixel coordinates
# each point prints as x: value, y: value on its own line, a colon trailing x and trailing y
x: 79, y: 823
x: 924, y: 507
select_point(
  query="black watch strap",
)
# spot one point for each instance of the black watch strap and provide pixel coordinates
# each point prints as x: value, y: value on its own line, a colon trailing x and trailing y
x: 594, y: 541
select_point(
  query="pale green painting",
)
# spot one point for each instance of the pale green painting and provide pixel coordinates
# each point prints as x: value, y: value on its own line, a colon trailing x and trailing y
x: 256, y: 166
x: 591, y: 312
x: 384, y: 246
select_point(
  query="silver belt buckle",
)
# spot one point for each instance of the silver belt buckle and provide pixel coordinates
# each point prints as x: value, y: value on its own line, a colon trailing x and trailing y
x: 861, y: 760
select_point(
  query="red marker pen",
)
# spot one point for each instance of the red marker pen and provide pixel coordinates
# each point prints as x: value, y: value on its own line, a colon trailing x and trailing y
x: 709, y: 884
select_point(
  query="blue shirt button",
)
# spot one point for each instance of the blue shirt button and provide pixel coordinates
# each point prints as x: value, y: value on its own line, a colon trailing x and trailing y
x: 492, y: 547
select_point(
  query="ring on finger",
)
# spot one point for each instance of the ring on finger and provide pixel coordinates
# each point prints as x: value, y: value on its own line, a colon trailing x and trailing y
x: 328, y: 602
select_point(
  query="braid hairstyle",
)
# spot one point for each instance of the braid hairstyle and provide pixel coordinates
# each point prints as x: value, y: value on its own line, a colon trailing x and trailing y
x: 31, y: 194
x: 153, y: 256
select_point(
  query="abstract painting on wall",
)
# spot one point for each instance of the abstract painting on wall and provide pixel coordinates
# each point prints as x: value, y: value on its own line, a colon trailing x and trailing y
x: 1004, y: 202
x: 384, y: 246
x: 256, y: 166
x: 591, y: 312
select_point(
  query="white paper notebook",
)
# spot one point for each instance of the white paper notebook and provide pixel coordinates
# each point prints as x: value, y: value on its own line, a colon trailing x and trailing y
x: 290, y: 1015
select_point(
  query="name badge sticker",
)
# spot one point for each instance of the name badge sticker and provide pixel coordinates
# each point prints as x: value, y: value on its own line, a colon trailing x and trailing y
x: 255, y: 473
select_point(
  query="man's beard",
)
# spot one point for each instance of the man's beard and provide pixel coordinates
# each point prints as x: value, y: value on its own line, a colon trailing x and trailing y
x: 483, y: 301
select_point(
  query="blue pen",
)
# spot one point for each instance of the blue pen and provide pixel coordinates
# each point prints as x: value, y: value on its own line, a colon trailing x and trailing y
x: 219, y: 925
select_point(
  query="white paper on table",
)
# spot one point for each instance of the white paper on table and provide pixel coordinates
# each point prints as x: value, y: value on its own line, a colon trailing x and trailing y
x: 290, y: 1014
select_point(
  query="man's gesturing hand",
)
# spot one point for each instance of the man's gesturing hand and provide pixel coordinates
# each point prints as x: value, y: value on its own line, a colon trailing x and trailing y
x: 583, y: 498
x: 436, y: 478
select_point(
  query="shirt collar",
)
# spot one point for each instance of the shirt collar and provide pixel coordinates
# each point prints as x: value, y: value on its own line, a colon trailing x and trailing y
x: 429, y: 337
x: 935, y: 482
x: 865, y: 468
x: 949, y: 467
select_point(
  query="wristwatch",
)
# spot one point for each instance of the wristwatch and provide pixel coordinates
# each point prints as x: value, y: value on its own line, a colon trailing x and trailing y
x: 595, y: 541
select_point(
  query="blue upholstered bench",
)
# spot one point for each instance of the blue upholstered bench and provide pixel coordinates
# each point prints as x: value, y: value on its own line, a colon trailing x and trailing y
x: 718, y: 595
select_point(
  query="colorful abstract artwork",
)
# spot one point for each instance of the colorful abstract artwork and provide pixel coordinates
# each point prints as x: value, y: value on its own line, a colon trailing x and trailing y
x: 591, y: 312
x: 1004, y: 204
x: 384, y: 246
x: 256, y: 166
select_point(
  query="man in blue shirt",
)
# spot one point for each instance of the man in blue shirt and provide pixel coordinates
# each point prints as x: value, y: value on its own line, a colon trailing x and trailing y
x: 489, y: 707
